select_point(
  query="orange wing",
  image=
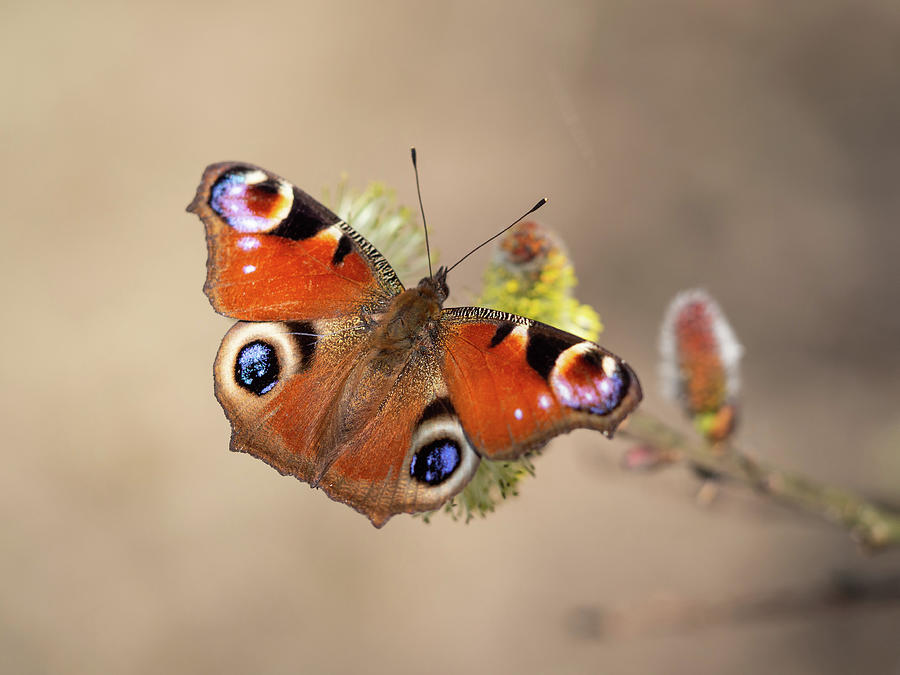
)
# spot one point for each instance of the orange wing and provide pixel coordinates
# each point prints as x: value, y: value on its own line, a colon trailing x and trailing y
x: 517, y: 383
x: 275, y: 253
x: 302, y: 397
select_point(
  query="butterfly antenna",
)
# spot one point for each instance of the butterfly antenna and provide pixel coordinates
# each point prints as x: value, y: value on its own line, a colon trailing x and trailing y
x: 412, y: 152
x: 517, y: 221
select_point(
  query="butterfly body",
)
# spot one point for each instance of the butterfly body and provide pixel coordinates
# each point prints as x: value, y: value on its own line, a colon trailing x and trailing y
x: 377, y: 394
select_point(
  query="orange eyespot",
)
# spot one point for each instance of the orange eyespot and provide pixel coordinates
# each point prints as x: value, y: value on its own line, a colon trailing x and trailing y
x: 250, y: 201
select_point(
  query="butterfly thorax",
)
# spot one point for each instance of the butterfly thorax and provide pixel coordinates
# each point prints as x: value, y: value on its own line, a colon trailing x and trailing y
x: 409, y: 315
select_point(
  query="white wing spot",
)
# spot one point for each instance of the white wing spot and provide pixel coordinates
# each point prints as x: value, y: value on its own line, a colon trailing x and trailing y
x: 248, y: 243
x: 609, y: 366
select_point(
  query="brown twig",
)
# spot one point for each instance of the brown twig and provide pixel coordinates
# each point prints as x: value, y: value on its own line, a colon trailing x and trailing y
x: 665, y: 614
x: 875, y: 527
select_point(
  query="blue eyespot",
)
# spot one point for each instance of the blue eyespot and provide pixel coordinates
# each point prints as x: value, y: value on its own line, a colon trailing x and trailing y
x: 611, y: 389
x: 250, y: 201
x: 256, y: 368
x: 435, y: 462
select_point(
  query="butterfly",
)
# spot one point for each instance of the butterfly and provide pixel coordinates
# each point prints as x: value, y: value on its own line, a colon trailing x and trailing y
x: 377, y: 394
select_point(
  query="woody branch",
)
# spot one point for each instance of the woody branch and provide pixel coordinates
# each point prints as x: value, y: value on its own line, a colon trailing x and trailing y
x: 875, y: 527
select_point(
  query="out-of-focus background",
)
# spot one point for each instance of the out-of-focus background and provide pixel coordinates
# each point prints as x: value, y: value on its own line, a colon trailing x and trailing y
x: 750, y: 147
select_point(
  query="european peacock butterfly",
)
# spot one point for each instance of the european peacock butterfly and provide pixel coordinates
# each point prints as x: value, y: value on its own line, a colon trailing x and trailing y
x: 339, y: 376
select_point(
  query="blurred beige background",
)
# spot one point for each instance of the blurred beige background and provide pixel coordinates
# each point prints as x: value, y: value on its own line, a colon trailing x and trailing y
x: 751, y: 147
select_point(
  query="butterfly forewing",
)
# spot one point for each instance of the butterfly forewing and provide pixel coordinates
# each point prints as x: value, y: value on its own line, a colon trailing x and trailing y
x: 517, y: 383
x: 275, y: 253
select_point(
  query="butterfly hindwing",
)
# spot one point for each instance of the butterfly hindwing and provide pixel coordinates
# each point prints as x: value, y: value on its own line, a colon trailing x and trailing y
x: 307, y: 398
x: 276, y: 253
x: 274, y: 379
x: 412, y: 455
x: 517, y: 383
